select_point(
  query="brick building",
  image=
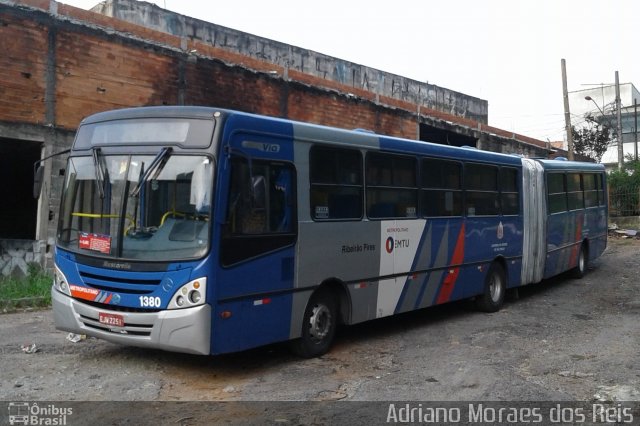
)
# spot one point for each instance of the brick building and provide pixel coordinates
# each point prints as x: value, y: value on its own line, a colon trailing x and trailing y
x: 60, y: 64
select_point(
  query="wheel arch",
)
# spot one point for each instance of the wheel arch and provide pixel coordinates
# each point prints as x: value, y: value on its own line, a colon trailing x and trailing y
x: 500, y: 260
x: 326, y: 308
x: 338, y: 289
x: 585, y: 243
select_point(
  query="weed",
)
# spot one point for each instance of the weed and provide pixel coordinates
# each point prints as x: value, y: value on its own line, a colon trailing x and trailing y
x: 31, y: 291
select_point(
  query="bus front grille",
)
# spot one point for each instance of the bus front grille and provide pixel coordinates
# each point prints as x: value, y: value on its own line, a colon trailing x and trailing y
x: 120, y: 284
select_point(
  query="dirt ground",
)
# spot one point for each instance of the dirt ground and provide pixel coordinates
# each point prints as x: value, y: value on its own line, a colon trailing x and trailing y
x: 562, y: 340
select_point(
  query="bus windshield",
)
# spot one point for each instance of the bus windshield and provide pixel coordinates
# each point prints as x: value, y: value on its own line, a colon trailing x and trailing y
x: 137, y: 207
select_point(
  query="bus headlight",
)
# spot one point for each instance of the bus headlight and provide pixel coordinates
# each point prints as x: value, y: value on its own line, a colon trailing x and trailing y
x: 194, y: 296
x: 60, y: 282
x: 189, y: 295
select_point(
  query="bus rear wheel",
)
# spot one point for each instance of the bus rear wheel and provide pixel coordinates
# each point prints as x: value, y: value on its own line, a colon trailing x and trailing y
x: 318, y: 326
x: 581, y: 267
x: 495, y: 287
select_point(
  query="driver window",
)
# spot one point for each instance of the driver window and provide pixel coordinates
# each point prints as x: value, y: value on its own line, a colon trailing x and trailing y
x: 261, y: 206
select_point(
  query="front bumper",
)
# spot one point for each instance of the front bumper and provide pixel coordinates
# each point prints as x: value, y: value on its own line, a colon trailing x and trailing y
x: 181, y: 330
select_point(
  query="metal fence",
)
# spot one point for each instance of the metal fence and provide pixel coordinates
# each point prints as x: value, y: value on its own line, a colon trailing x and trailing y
x: 624, y: 200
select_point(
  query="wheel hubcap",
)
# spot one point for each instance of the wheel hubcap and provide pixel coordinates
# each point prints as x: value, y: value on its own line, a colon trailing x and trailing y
x: 495, y: 288
x: 320, y: 322
x: 581, y: 261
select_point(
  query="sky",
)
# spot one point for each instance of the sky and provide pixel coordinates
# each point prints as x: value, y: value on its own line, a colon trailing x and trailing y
x: 507, y: 52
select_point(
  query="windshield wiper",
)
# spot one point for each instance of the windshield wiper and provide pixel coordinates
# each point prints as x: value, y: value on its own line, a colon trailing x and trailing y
x: 101, y: 173
x: 156, y: 167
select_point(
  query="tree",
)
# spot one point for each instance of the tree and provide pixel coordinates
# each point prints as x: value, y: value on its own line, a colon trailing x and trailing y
x: 592, y: 139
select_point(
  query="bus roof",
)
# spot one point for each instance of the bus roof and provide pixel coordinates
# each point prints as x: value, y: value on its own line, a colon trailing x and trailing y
x: 327, y: 134
x: 571, y: 165
x: 150, y: 112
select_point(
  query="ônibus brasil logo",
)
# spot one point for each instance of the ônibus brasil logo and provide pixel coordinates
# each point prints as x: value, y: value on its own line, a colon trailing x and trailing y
x: 25, y: 413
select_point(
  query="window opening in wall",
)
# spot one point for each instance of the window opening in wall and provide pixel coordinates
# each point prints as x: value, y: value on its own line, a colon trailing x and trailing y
x: 444, y: 137
x: 18, y: 215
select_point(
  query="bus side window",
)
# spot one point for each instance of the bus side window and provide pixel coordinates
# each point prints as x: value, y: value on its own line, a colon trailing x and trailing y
x: 261, y: 209
x: 260, y: 199
x: 600, y: 184
x: 509, y: 191
x: 392, y: 186
x: 335, y: 178
x: 574, y: 191
x: 441, y: 190
x: 481, y: 185
x: 240, y: 204
x: 589, y: 181
x: 556, y: 193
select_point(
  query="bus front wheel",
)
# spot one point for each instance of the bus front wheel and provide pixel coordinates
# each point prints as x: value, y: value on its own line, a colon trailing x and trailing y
x: 318, y: 326
x: 495, y: 287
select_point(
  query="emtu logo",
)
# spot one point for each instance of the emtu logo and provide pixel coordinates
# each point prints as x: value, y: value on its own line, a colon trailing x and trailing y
x: 390, y: 245
x: 394, y: 244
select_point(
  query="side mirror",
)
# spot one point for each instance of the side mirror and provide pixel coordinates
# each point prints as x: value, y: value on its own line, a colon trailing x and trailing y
x: 37, y: 180
x: 38, y: 172
x: 258, y: 192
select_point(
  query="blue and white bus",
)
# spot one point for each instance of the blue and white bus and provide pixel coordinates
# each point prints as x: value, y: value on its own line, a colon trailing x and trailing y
x: 209, y: 231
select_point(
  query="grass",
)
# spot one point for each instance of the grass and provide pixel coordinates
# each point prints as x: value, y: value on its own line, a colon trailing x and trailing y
x: 32, y: 291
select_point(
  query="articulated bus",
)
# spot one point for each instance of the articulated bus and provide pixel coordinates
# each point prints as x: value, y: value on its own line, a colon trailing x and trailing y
x: 209, y: 231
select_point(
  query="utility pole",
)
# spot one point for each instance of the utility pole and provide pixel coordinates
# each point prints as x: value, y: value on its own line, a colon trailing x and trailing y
x: 619, y: 126
x: 567, y: 114
x: 635, y: 129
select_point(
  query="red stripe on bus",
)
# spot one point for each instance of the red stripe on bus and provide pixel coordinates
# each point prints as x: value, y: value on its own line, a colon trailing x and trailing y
x: 573, y: 259
x: 451, y: 278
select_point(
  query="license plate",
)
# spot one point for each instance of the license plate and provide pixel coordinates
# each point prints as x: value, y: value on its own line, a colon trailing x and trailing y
x: 114, y: 320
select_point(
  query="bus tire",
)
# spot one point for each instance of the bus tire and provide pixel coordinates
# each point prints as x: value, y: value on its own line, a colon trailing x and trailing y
x: 495, y: 287
x: 318, y: 326
x: 583, y: 259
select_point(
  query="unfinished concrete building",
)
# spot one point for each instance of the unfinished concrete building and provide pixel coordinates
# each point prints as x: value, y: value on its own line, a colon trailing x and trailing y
x: 62, y: 63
